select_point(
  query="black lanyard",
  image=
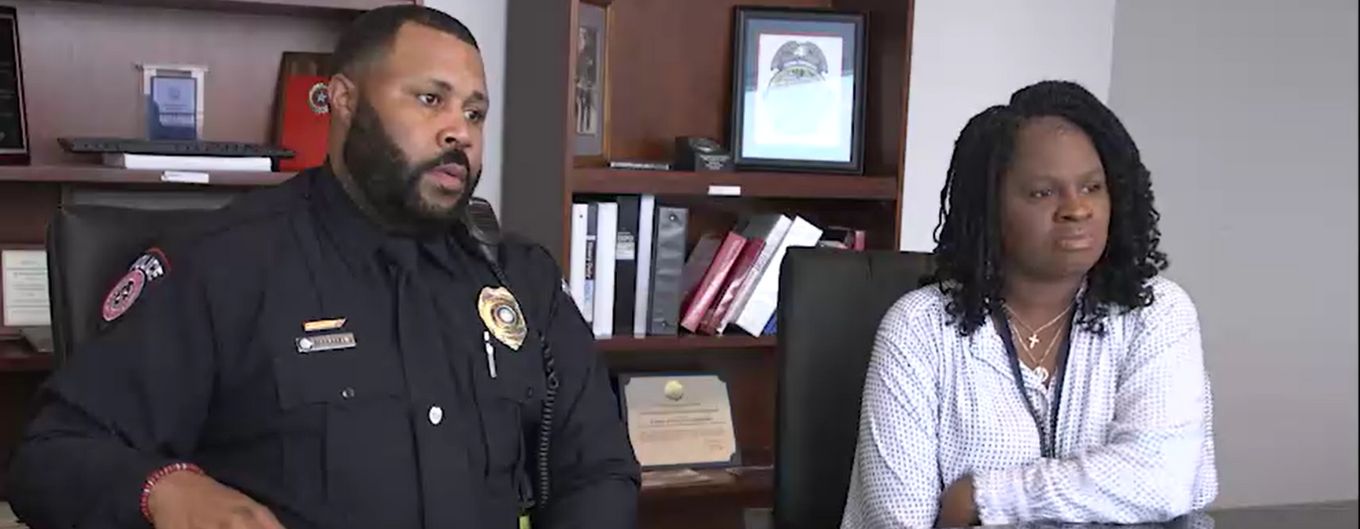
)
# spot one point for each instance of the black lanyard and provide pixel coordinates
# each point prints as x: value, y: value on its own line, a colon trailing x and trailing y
x: 1047, y: 443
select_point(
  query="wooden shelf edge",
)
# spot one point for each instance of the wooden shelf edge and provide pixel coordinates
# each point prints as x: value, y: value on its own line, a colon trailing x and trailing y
x: 684, y: 343
x: 17, y: 357
x: 601, y: 180
x: 748, y: 481
x: 96, y: 174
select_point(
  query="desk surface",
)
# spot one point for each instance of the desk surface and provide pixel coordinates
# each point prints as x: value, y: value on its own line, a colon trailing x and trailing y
x: 1337, y: 515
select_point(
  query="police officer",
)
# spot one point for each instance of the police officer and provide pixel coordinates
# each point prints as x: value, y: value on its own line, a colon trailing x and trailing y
x: 343, y: 350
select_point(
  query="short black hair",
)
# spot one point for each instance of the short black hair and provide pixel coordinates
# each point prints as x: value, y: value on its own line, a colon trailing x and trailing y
x: 968, y: 238
x: 372, y: 32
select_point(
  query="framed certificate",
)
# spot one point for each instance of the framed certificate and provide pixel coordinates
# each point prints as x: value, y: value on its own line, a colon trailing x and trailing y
x: 679, y: 420
x: 23, y: 288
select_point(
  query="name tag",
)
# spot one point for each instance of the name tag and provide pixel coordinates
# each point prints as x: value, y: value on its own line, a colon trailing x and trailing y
x: 325, y: 342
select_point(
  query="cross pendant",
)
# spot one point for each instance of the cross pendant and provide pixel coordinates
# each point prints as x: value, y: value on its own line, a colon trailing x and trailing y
x: 1033, y: 340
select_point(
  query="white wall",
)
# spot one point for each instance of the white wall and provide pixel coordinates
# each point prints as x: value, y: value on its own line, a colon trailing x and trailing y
x: 1245, y: 112
x: 486, y: 19
x: 970, y: 54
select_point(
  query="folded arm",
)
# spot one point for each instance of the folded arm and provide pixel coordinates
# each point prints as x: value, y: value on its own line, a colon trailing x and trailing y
x: 1150, y: 468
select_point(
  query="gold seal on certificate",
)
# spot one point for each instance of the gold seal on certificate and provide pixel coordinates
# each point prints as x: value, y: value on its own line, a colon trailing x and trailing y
x: 679, y: 420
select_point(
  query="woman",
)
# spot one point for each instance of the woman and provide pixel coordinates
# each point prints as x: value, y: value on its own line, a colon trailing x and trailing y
x: 1048, y: 373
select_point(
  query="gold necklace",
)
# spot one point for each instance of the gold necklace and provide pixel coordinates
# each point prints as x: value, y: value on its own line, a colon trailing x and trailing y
x: 1039, y: 369
x: 1033, y: 338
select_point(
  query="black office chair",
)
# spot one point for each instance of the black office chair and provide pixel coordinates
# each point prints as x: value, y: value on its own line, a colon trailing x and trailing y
x: 830, y: 305
x: 88, y: 248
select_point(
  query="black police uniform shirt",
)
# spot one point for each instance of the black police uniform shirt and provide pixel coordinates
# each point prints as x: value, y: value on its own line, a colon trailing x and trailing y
x: 406, y: 429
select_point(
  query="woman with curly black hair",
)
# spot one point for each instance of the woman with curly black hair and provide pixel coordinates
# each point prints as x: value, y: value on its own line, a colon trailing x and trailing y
x: 1047, y: 372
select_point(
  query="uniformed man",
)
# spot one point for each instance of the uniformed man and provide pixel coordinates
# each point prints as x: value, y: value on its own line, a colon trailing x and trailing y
x: 341, y: 351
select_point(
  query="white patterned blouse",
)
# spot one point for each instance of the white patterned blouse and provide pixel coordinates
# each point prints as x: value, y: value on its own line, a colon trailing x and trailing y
x: 1134, y: 439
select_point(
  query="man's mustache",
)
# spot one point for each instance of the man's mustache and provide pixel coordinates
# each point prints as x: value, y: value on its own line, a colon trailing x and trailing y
x: 454, y: 156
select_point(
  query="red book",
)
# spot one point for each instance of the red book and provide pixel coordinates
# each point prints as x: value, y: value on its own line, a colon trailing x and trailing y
x: 709, y: 287
x: 750, y: 252
x: 306, y: 121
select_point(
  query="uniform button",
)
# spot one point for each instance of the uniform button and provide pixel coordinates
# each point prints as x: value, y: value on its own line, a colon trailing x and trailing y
x: 436, y: 415
x: 347, y: 393
x: 529, y: 393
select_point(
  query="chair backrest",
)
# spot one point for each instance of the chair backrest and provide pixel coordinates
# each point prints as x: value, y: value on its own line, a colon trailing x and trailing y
x: 88, y: 249
x: 830, y: 306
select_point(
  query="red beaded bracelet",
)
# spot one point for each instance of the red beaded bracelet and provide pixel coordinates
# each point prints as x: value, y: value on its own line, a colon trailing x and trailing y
x: 156, y: 476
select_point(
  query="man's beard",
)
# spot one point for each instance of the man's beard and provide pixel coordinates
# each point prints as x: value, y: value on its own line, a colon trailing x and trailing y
x: 390, y: 184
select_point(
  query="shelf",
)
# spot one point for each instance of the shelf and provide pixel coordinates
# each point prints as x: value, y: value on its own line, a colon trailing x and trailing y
x: 264, y: 7
x: 756, y: 483
x: 96, y: 174
x: 746, y: 184
x: 688, y: 342
x: 17, y: 356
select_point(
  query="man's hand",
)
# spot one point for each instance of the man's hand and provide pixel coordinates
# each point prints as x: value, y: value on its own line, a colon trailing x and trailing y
x: 957, y: 508
x: 187, y: 500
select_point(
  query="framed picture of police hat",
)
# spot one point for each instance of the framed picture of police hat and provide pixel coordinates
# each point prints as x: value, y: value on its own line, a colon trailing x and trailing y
x: 798, y: 82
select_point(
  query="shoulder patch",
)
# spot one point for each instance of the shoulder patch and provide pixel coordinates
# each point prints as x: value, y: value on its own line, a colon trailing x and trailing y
x: 153, y: 263
x: 150, y: 267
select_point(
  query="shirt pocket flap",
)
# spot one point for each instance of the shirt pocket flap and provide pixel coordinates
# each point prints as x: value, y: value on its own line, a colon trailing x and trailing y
x: 334, y: 377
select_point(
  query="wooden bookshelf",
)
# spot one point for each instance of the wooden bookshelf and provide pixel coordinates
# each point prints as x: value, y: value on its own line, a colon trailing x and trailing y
x: 668, y: 72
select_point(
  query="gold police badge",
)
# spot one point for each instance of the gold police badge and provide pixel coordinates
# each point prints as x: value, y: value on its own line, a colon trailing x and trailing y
x: 502, y: 317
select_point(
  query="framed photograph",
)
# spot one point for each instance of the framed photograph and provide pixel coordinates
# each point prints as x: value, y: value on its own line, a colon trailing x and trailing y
x: 798, y: 84
x: 591, y: 80
x: 172, y: 100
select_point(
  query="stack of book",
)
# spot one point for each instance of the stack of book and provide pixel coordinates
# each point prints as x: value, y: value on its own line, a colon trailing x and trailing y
x: 632, y: 274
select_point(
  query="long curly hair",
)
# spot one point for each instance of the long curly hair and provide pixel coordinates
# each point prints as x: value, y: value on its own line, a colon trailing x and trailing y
x: 968, y: 236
